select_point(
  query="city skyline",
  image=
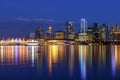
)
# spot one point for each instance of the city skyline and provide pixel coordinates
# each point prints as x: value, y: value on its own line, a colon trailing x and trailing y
x: 59, y: 39
x: 22, y: 27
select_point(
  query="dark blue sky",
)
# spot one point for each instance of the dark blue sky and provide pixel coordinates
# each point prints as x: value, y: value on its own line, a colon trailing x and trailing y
x: 93, y: 10
x: 101, y: 11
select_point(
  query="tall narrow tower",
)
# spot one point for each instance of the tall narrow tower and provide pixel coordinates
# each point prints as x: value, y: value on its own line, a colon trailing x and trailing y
x: 83, y: 25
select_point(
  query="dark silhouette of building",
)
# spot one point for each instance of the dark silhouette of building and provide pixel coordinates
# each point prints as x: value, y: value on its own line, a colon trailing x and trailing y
x: 96, y: 36
x: 90, y: 34
x: 104, y: 33
x: 39, y: 33
x: 49, y: 33
x: 69, y: 32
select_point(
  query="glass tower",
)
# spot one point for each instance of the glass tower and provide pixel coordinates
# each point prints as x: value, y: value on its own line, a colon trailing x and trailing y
x: 83, y: 26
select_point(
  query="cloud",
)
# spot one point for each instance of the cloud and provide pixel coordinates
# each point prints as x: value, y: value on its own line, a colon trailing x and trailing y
x: 35, y: 20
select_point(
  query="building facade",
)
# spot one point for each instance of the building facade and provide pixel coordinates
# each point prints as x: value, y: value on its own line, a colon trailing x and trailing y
x: 69, y: 32
x: 83, y: 28
x: 39, y: 33
x: 115, y: 33
x: 60, y: 35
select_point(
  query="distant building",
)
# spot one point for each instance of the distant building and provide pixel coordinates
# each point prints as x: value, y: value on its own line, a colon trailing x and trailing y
x: 90, y: 34
x: 32, y: 36
x: 71, y: 36
x: 82, y: 35
x: 39, y: 33
x: 49, y: 33
x: 60, y: 35
x: 83, y: 28
x: 69, y: 33
x: 70, y: 26
x: 96, y: 33
x: 50, y: 30
x: 104, y: 33
x: 115, y: 33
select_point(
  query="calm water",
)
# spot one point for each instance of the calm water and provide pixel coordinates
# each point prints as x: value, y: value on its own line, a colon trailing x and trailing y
x: 60, y: 62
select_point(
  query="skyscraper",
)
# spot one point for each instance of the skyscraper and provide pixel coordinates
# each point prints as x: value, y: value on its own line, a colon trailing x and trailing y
x: 96, y: 36
x: 70, y: 27
x: 39, y: 33
x: 82, y: 35
x: 104, y: 33
x: 69, y: 30
x: 49, y: 33
x: 83, y: 26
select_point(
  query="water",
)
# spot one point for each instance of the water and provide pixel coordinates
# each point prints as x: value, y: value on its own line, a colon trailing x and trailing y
x: 60, y: 62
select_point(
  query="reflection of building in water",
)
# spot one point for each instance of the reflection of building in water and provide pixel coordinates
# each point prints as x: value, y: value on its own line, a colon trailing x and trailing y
x: 102, y: 55
x: 15, y: 55
x: 82, y: 59
x: 113, y: 66
x: 116, y: 56
x: 71, y: 59
x: 99, y: 55
x: 40, y: 58
x: 32, y: 54
x: 10, y: 54
x: 22, y: 54
x: 55, y: 55
x: 1, y: 53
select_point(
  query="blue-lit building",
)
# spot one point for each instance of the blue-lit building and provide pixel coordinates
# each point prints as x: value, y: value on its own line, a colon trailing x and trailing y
x: 82, y: 35
x: 83, y: 28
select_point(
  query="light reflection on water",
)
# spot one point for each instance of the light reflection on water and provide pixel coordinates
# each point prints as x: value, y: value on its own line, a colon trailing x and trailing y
x: 66, y: 61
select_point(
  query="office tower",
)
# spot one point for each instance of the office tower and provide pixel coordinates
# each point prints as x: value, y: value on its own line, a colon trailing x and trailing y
x: 115, y: 33
x: 50, y: 30
x: 49, y: 33
x: 96, y: 36
x: 69, y: 33
x: 69, y: 26
x: 90, y: 34
x: 39, y: 33
x: 82, y: 35
x: 104, y: 33
x: 83, y: 26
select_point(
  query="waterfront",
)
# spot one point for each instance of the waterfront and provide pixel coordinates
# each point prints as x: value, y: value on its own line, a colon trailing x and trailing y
x: 60, y: 62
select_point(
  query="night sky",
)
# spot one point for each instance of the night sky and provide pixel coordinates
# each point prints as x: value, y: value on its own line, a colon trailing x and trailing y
x: 26, y: 15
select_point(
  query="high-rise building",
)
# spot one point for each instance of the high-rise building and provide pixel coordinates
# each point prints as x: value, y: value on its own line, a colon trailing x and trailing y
x: 70, y: 26
x: 96, y: 36
x: 82, y: 35
x: 83, y: 26
x: 49, y: 33
x: 39, y: 33
x: 69, y: 32
x: 104, y: 33
x: 50, y: 30
x: 90, y: 34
